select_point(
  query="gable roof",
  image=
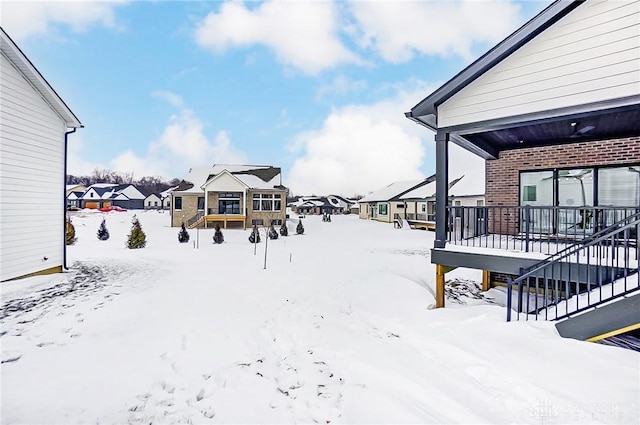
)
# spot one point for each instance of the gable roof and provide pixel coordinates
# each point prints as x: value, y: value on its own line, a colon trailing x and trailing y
x: 263, y: 177
x: 615, y: 113
x: 395, y: 190
x: 19, y: 60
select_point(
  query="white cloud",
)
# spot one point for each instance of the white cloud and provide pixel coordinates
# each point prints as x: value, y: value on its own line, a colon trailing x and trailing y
x: 22, y: 19
x: 303, y: 35
x: 182, y: 144
x: 172, y: 98
x: 340, y: 86
x: 77, y: 166
x: 362, y: 148
x: 398, y: 31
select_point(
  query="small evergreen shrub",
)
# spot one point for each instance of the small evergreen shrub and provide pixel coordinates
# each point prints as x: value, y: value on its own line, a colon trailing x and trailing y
x: 218, y: 237
x: 299, y: 227
x: 137, y: 238
x: 272, y: 233
x: 183, y: 235
x: 70, y: 233
x: 254, y: 237
x: 103, y: 233
x: 283, y: 230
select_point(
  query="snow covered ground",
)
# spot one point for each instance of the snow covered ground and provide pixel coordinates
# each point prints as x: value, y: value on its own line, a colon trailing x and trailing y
x: 337, y: 329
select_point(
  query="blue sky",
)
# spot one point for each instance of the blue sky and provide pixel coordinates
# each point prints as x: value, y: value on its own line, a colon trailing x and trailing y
x: 318, y: 88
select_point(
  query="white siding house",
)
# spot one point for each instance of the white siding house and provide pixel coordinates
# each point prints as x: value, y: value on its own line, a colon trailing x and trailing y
x: 34, y: 123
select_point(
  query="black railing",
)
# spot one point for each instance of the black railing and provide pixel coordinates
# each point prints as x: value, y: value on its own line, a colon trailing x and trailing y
x: 529, y: 228
x: 579, y: 277
x: 416, y: 217
x: 190, y: 222
x: 228, y: 211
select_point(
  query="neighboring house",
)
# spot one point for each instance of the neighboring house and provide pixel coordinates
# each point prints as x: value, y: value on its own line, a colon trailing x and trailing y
x: 153, y: 202
x: 554, y: 109
x: 229, y: 194
x: 103, y: 195
x: 384, y: 204
x: 331, y: 204
x: 34, y: 126
x: 74, y: 193
x: 166, y: 198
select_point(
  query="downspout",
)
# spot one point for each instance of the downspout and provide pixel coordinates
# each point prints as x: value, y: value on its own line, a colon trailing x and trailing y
x: 64, y: 203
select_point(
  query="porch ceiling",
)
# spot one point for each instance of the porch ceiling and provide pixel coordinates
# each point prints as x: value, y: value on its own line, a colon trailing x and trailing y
x: 598, y: 125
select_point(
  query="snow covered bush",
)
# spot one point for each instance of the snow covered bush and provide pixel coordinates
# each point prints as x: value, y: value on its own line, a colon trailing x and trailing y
x: 254, y: 237
x: 299, y: 228
x: 183, y: 235
x: 71, y: 233
x: 272, y: 233
x: 283, y: 230
x: 137, y: 238
x: 103, y: 233
x: 218, y: 237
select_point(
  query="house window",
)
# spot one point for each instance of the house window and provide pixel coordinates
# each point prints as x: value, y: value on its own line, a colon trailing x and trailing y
x: 529, y: 194
x: 401, y: 206
x: 200, y: 202
x: 178, y: 202
x: 155, y: 203
x: 480, y: 203
x: 382, y: 209
x: 619, y: 187
x: 536, y: 188
x: 228, y: 206
x: 424, y: 207
x: 267, y: 202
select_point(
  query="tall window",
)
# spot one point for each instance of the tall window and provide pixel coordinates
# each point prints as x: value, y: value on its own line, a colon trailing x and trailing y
x: 229, y: 203
x: 382, y: 209
x: 619, y: 187
x: 267, y: 202
x: 200, y: 202
x: 536, y: 188
x: 178, y: 202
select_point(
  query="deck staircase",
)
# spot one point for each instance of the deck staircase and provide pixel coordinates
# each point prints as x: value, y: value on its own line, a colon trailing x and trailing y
x: 588, y: 287
x: 195, y: 221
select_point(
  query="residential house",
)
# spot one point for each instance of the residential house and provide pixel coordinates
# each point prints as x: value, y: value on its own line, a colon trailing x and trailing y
x: 34, y: 127
x: 74, y: 193
x: 103, y: 195
x: 240, y: 195
x: 385, y: 204
x: 166, y: 198
x: 153, y: 202
x: 331, y: 204
x: 554, y: 109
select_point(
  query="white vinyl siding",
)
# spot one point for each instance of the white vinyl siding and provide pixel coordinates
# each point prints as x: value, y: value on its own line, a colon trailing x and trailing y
x: 591, y: 55
x: 32, y: 173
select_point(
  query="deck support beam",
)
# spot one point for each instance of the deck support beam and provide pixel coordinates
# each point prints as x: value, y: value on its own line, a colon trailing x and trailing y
x: 440, y: 272
x: 486, y: 280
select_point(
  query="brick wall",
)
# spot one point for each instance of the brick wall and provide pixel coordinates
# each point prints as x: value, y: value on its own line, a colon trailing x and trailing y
x: 502, y: 174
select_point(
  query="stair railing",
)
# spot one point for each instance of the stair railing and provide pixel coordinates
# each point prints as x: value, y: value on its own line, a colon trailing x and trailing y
x: 581, y: 276
x: 190, y: 222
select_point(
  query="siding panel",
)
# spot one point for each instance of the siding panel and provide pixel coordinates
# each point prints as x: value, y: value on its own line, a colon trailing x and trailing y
x: 31, y: 171
x: 590, y: 55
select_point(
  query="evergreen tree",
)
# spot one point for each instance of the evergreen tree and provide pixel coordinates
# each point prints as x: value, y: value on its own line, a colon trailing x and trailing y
x: 137, y: 238
x: 71, y: 233
x: 254, y: 237
x: 283, y: 229
x: 103, y: 233
x: 183, y: 235
x: 272, y: 232
x: 299, y: 227
x: 218, y: 237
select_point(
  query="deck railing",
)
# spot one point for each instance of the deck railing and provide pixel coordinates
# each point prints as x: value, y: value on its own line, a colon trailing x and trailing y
x: 529, y: 228
x: 589, y: 273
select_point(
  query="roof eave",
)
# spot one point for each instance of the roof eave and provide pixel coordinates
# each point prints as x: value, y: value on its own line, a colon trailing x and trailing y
x: 13, y: 53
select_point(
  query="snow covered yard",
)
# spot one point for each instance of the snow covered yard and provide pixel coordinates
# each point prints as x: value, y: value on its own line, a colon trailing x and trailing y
x: 337, y: 329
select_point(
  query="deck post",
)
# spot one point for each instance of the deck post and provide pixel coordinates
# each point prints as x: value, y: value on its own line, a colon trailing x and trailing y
x: 442, y: 195
x: 486, y: 280
x: 440, y: 271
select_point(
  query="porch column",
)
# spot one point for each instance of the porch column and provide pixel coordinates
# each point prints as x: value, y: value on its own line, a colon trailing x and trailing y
x: 244, y: 210
x: 206, y: 205
x: 442, y: 189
